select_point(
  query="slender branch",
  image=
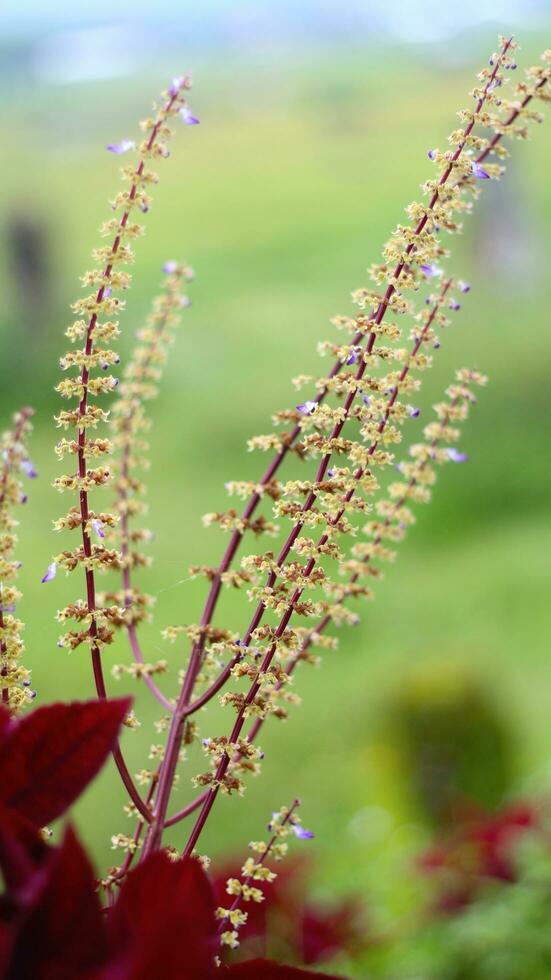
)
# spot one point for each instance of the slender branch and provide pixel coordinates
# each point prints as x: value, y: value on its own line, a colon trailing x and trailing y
x: 260, y: 863
x: 139, y: 659
x: 255, y: 499
x: 129, y: 419
x: 255, y: 687
x: 326, y: 620
x: 82, y: 446
x: 187, y: 810
x: 127, y: 863
x: 176, y: 730
x: 321, y: 626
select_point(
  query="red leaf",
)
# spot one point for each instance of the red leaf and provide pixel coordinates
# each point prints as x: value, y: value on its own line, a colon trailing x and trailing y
x: 57, y: 930
x: 21, y: 850
x: 50, y: 756
x: 267, y: 970
x: 6, y: 721
x: 164, y: 921
x: 326, y: 931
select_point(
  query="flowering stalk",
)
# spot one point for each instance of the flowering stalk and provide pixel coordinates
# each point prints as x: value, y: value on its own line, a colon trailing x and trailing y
x: 283, y: 823
x: 129, y: 422
x: 413, y: 250
x: 396, y: 518
x: 97, y: 623
x: 526, y: 92
x: 260, y: 695
x: 266, y: 485
x: 14, y: 678
x: 424, y: 335
x: 332, y: 501
x: 420, y: 475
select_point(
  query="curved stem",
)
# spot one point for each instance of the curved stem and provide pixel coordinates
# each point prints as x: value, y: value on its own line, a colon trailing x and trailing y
x: 326, y: 620
x: 176, y: 730
x: 139, y: 659
x: 255, y: 687
x: 186, y: 810
x: 216, y: 686
x: 117, y: 752
x: 261, y: 861
x: 145, y: 358
x: 83, y: 494
x: 254, y: 500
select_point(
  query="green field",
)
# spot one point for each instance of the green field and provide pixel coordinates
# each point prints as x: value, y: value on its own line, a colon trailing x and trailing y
x: 280, y: 199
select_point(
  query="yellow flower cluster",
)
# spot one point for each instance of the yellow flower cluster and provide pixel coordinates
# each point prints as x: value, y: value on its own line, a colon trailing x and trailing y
x: 129, y: 423
x: 14, y: 461
x: 94, y: 330
x: 347, y: 431
x: 353, y: 423
x: 281, y: 826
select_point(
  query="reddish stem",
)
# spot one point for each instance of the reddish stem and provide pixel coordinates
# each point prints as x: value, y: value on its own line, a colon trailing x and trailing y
x: 261, y: 860
x: 257, y: 618
x: 327, y: 619
x: 274, y: 466
x: 176, y: 731
x: 83, y: 495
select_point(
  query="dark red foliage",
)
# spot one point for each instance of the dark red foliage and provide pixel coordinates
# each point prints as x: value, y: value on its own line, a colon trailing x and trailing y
x: 479, y: 849
x: 260, y: 969
x: 326, y: 931
x: 50, y: 756
x: 311, y: 932
x: 52, y: 923
x: 164, y: 920
x: 52, y: 926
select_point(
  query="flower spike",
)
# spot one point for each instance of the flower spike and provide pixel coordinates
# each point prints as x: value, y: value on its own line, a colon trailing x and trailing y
x: 14, y: 678
x: 96, y: 326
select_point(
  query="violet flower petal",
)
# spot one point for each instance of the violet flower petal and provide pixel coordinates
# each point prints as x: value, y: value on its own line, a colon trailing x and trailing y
x: 430, y: 270
x: 28, y: 469
x: 479, y: 172
x: 176, y: 85
x: 456, y: 456
x: 301, y: 832
x: 50, y: 572
x: 307, y: 408
x: 123, y: 147
x: 97, y: 527
x: 187, y: 116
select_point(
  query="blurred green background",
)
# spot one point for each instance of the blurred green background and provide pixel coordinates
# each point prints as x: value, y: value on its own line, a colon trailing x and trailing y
x: 305, y: 158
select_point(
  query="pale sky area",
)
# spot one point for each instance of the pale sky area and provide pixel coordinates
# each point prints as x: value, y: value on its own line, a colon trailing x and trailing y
x: 63, y: 42
x: 407, y: 19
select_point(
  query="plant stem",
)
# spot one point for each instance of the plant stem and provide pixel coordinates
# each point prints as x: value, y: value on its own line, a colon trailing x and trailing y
x: 261, y: 861
x: 176, y: 730
x: 274, y: 466
x: 24, y: 415
x: 83, y: 494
